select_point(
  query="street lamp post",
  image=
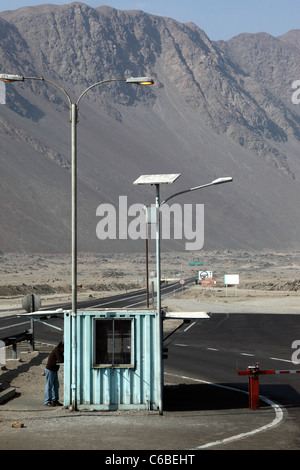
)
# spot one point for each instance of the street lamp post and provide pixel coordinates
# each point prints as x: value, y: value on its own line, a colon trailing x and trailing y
x: 74, y: 108
x: 157, y: 180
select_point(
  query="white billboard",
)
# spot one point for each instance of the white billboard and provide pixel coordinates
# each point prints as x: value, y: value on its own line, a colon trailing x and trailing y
x: 231, y: 279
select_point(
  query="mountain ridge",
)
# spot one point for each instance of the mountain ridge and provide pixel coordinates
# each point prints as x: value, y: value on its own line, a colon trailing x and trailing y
x: 219, y: 106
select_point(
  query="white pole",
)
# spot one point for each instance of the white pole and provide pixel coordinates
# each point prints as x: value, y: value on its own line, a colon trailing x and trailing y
x: 159, y: 317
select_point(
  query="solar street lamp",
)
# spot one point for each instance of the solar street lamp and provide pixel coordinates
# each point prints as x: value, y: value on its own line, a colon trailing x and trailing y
x: 157, y: 180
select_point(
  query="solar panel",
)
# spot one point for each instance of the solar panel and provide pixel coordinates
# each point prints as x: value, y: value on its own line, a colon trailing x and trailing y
x: 157, y: 179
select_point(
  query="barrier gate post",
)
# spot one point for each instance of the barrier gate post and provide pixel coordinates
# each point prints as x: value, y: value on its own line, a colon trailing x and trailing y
x: 253, y: 373
x: 253, y: 381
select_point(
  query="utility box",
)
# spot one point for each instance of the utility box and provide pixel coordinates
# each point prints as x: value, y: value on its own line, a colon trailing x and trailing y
x: 111, y: 360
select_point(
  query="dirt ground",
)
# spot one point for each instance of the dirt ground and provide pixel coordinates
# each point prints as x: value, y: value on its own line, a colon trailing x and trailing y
x: 49, y: 276
x: 54, y: 270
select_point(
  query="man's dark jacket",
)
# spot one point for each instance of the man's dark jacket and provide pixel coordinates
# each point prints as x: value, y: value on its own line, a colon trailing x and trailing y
x: 54, y: 358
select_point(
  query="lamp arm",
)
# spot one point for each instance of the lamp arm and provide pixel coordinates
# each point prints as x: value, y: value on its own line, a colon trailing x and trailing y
x: 186, y: 191
x: 99, y: 83
x: 52, y: 83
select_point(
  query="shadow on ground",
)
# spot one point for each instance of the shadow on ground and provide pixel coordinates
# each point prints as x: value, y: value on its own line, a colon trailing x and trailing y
x: 184, y: 397
x: 8, y: 375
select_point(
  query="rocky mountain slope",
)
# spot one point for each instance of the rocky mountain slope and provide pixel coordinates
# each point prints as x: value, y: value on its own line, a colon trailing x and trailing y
x: 216, y: 109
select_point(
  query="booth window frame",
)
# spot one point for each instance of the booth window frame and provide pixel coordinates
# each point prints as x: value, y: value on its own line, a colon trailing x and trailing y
x: 117, y: 345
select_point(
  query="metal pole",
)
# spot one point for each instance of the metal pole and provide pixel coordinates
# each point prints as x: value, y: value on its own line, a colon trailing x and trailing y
x: 147, y: 269
x: 32, y: 322
x: 74, y: 205
x: 73, y: 406
x: 159, y: 317
x: 74, y: 250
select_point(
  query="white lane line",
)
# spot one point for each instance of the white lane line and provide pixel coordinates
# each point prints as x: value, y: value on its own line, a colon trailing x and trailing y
x: 282, y: 360
x: 15, y: 325
x: 277, y: 409
x: 247, y: 354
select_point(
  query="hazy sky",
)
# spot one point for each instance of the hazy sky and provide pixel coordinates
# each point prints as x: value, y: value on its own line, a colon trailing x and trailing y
x: 220, y: 19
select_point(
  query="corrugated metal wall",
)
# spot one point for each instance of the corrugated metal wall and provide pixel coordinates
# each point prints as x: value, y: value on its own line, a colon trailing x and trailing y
x: 106, y: 387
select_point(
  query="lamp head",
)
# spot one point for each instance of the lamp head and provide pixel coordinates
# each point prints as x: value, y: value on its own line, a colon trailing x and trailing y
x: 4, y: 77
x: 226, y: 179
x: 140, y: 80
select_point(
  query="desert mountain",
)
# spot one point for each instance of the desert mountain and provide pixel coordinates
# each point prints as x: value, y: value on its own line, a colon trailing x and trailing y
x: 216, y: 109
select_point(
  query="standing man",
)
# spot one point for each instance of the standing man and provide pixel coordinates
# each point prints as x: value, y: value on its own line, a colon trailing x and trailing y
x: 55, y: 358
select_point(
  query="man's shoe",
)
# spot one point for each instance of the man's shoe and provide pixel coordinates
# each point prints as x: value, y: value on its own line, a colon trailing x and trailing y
x: 50, y: 404
x: 56, y: 403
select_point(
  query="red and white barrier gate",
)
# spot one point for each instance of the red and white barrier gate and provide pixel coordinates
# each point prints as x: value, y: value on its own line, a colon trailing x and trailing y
x: 253, y: 373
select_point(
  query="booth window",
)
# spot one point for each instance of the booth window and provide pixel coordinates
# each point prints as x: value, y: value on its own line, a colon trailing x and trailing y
x: 113, y: 342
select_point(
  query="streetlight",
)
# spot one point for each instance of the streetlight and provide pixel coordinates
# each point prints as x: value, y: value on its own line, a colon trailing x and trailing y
x: 74, y: 108
x: 157, y: 180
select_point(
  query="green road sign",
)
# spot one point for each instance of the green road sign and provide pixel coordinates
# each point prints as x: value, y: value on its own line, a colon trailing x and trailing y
x: 195, y: 263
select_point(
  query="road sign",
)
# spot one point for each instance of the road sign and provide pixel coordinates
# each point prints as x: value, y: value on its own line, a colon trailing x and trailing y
x: 203, y: 274
x: 182, y: 282
x: 31, y: 303
x: 195, y: 263
x: 209, y: 282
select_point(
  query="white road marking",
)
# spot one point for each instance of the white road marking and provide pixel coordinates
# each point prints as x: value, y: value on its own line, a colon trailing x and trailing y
x: 15, y: 325
x: 277, y: 409
x: 282, y: 360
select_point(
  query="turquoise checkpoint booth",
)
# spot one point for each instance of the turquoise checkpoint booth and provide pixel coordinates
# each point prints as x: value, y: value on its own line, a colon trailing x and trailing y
x: 113, y: 359
x: 110, y: 360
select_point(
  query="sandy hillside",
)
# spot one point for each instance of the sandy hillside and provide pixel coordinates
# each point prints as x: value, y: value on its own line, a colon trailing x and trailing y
x: 263, y: 277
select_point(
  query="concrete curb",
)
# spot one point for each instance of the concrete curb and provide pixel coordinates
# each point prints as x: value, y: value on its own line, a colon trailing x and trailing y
x: 7, y: 394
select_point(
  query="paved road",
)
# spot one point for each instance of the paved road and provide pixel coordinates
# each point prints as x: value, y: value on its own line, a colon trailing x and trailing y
x: 212, y: 352
x: 16, y: 323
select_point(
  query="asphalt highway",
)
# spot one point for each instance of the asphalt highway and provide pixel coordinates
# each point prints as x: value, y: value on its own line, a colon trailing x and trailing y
x: 16, y: 322
x: 216, y: 349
